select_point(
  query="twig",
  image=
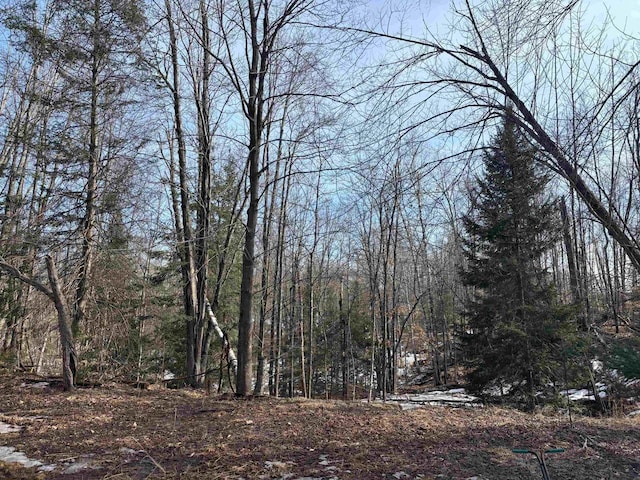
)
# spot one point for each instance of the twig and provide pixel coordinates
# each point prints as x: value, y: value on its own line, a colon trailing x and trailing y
x: 153, y: 460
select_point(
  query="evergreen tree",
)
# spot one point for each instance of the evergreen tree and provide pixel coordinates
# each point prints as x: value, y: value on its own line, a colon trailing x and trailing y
x: 515, y: 324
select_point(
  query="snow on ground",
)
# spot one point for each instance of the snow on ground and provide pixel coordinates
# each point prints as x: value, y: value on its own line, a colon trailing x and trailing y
x: 7, y: 428
x: 498, y: 390
x: 37, y: 385
x: 583, y: 394
x: 597, y: 365
x: 454, y: 397
x: 80, y: 464
x: 11, y: 455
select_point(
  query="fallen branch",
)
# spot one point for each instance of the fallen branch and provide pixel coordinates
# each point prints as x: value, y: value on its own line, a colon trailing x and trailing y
x: 213, y: 322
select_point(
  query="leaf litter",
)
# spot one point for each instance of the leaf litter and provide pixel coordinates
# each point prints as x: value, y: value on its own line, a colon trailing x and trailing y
x: 117, y: 432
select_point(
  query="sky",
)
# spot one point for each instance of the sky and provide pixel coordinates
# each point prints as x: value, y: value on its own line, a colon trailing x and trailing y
x: 412, y: 16
x: 626, y: 13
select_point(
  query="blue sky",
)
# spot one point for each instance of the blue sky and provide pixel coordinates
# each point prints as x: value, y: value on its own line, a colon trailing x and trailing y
x: 623, y: 11
x: 626, y: 13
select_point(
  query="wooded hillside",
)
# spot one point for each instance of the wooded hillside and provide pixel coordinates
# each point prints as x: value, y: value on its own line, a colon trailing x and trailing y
x: 314, y: 199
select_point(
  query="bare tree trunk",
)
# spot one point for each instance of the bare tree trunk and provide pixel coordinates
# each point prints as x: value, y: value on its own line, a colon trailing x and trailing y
x: 344, y: 359
x: 89, y: 220
x: 259, y: 57
x: 204, y: 205
x: 14, y: 166
x: 185, y: 247
x: 572, y: 263
x: 264, y: 298
x: 245, y: 325
x: 278, y: 285
x: 309, y: 366
x: 270, y: 195
x: 395, y: 340
x: 69, y: 359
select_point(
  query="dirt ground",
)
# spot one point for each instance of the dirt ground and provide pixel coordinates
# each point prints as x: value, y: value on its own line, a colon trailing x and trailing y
x: 118, y: 432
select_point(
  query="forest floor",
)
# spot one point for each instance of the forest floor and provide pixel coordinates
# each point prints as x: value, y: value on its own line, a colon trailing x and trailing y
x: 118, y: 432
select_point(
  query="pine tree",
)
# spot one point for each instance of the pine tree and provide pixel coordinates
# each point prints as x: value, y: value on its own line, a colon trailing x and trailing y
x: 514, y: 321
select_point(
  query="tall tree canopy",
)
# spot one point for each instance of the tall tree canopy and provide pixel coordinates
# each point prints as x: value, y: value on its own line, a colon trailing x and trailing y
x: 515, y: 322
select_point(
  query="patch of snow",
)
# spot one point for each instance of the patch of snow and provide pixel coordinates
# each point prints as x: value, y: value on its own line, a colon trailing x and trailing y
x: 8, y: 428
x: 597, y: 365
x: 400, y: 475
x: 83, y: 463
x: 584, y: 394
x: 615, y: 373
x: 634, y: 413
x: 578, y: 395
x: 10, y: 455
x: 455, y: 397
x: 130, y: 451
x: 457, y: 390
x: 275, y: 464
x: 498, y: 391
x: 39, y: 385
x: 168, y: 375
x: 326, y: 463
x: 436, y: 396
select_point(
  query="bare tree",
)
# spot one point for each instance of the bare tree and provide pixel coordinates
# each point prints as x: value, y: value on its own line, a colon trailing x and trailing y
x: 66, y: 143
x: 54, y: 292
x: 261, y: 28
x: 512, y: 57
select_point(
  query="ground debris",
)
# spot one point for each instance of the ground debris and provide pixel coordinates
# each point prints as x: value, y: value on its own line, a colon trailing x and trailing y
x: 167, y: 434
x: 15, y: 471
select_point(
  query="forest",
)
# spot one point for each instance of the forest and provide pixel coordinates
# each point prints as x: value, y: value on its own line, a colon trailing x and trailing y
x: 322, y: 199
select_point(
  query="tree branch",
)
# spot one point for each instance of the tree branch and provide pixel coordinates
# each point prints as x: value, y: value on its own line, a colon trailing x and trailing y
x: 18, y: 275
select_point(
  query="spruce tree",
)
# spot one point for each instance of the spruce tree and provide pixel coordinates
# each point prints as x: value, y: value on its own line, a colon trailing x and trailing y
x: 515, y: 324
